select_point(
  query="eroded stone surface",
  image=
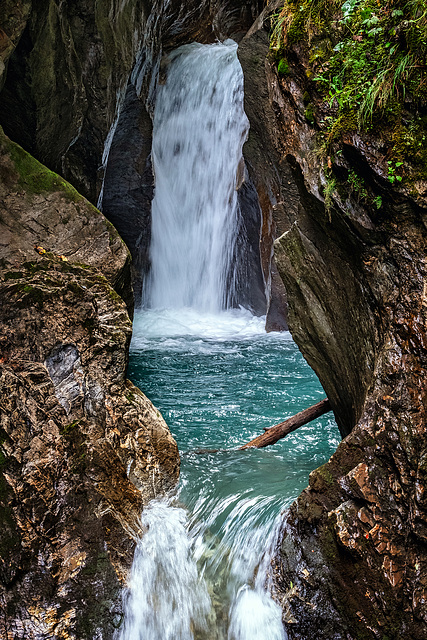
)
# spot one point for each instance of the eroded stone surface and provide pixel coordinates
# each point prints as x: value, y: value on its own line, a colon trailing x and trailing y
x: 82, y: 449
x: 69, y: 73
x: 350, y: 562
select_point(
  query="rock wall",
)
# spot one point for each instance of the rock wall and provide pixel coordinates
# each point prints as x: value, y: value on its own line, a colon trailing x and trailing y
x: 68, y: 75
x: 350, y: 561
x: 81, y: 449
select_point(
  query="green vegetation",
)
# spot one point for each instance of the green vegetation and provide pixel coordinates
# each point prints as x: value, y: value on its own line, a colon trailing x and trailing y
x: 36, y: 178
x: 32, y: 175
x: 309, y: 114
x: 283, y: 67
x: 367, y: 60
x: 326, y: 474
x: 357, y: 185
x: 69, y: 428
x: 329, y: 189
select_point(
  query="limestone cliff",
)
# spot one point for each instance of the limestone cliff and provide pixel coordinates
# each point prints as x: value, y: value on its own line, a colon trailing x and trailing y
x: 81, y: 448
x: 351, y: 556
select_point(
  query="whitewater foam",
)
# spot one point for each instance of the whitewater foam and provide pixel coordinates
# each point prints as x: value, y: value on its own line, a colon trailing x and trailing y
x: 198, y: 133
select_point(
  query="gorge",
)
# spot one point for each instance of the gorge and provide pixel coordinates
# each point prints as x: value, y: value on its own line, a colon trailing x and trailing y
x: 83, y: 451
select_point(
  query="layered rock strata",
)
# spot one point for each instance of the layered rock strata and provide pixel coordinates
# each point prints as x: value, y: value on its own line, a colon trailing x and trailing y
x: 350, y: 561
x: 81, y: 449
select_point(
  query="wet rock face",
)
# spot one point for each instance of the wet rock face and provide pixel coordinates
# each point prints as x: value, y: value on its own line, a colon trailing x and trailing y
x: 129, y: 184
x: 63, y: 81
x: 353, y: 544
x: 266, y: 169
x: 70, y: 70
x: 14, y: 20
x: 317, y: 261
x: 82, y: 450
x: 350, y: 561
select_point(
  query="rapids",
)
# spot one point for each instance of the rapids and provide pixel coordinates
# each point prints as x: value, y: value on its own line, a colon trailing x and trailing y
x: 201, y: 571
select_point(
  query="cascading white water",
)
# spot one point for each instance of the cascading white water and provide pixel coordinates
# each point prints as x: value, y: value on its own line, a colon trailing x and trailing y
x: 238, y: 558
x: 199, y: 130
x: 201, y: 573
x: 166, y: 599
x: 179, y: 562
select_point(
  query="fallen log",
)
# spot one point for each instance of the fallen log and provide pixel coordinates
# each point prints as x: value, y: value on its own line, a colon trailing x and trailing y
x: 273, y: 434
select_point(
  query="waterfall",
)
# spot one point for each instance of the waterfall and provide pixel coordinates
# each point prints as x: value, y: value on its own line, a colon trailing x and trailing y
x: 198, y: 133
x: 200, y: 573
x: 180, y: 563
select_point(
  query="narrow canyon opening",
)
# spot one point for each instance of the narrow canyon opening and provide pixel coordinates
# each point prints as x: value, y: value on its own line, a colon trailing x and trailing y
x: 201, y: 353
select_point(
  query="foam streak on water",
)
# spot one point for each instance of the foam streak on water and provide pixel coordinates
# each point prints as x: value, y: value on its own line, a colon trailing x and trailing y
x: 198, y: 132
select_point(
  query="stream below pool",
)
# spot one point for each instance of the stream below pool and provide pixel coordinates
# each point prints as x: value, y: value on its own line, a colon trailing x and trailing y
x: 202, y: 570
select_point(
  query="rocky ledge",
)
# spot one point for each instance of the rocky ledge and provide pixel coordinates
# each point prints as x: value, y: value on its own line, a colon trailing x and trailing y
x: 81, y: 449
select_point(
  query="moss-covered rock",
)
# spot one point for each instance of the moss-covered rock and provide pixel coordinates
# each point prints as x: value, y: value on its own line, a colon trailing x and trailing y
x: 56, y: 214
x: 366, y: 63
x: 81, y: 451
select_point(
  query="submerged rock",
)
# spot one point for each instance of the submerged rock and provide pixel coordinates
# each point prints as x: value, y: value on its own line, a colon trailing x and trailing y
x: 82, y: 449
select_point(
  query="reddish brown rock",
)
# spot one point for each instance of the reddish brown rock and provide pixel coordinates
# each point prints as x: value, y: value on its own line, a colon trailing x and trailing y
x: 82, y: 449
x: 355, y: 279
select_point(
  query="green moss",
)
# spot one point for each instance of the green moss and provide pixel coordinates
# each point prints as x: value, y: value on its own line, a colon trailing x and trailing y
x: 309, y: 114
x: 297, y: 29
x: 69, y: 428
x: 367, y: 60
x: 31, y: 294
x: 35, y: 267
x: 304, y: 20
x: 328, y: 543
x: 343, y: 123
x: 283, y: 67
x: 114, y: 295
x: 81, y: 265
x: 35, y: 177
x: 324, y: 472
